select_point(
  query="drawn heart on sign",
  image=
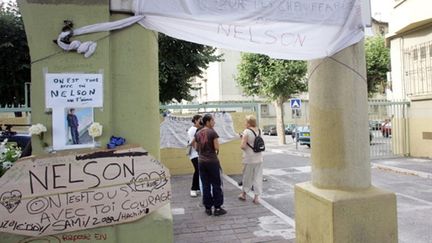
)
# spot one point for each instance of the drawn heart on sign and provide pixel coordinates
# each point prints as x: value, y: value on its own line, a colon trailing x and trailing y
x: 11, y: 200
x: 148, y: 182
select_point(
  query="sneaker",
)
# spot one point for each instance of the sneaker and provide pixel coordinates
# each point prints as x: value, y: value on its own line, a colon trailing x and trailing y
x: 219, y: 211
x: 193, y: 194
x: 198, y: 192
x: 208, y: 211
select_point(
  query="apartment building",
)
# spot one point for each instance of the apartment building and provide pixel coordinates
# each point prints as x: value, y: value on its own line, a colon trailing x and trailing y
x: 410, y: 41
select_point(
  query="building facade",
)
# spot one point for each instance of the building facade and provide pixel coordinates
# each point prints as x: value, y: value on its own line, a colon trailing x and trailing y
x: 218, y: 84
x: 410, y: 41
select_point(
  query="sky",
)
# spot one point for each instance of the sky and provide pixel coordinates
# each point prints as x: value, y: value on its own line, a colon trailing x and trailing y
x: 381, y: 9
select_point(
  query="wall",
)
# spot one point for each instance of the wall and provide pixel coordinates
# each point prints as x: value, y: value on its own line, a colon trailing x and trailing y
x: 420, y: 128
x: 230, y: 153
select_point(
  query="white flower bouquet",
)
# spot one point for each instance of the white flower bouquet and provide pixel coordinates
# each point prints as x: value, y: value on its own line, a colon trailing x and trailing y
x: 37, y: 129
x: 8, y: 155
x: 95, y: 129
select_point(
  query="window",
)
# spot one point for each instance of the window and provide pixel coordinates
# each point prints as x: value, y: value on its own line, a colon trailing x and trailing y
x: 417, y: 66
x: 423, y: 52
x: 264, y: 110
x: 415, y: 54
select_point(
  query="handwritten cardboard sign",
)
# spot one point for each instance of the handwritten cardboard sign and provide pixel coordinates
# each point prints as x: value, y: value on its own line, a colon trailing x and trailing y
x: 52, y: 195
x: 73, y: 90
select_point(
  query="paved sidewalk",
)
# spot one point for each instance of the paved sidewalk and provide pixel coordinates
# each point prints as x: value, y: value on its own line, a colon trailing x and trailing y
x: 247, y: 222
x: 244, y: 222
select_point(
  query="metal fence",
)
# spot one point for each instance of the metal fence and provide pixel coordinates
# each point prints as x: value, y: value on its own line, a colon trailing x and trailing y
x: 388, y: 125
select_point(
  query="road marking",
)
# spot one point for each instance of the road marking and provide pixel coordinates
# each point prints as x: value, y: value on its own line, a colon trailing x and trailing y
x: 177, y: 211
x: 274, y: 226
x: 294, y: 153
x: 414, y: 198
x: 265, y: 204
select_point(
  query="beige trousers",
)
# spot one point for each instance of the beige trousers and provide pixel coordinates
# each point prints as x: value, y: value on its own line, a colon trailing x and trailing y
x: 252, y: 176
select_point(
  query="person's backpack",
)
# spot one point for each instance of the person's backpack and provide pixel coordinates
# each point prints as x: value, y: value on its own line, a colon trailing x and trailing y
x: 258, y: 145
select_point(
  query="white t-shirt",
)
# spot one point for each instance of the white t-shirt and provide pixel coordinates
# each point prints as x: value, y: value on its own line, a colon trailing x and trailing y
x: 249, y: 156
x: 191, y: 135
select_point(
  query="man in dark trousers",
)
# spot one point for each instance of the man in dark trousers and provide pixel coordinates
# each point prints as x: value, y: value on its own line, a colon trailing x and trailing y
x: 72, y: 121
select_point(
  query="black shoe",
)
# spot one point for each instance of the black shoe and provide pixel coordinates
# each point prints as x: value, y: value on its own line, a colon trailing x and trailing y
x: 219, y: 212
x: 208, y: 211
x: 240, y: 183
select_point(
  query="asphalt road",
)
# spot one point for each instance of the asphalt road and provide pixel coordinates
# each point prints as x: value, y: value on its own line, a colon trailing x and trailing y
x: 282, y: 170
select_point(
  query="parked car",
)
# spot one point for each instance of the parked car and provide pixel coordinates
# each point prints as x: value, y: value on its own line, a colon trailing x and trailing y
x: 289, y: 129
x: 302, y: 135
x: 272, y: 131
x: 386, y: 129
x: 375, y: 125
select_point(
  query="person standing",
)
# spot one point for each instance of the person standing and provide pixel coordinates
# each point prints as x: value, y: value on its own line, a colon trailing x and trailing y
x: 209, y: 167
x: 252, y: 161
x: 72, y: 121
x: 193, y: 155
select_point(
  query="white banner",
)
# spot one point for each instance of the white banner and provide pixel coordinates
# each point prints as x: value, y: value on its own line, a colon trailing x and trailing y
x: 73, y: 90
x: 173, y: 130
x: 286, y: 29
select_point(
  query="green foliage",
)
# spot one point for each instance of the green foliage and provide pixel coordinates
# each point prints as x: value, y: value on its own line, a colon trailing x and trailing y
x: 377, y: 63
x: 14, y: 56
x: 179, y: 62
x: 271, y: 78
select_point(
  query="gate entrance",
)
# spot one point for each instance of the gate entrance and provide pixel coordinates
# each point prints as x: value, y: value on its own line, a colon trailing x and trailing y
x: 388, y: 128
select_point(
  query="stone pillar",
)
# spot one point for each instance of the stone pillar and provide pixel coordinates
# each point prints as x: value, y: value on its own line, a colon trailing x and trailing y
x: 340, y: 205
x: 128, y: 59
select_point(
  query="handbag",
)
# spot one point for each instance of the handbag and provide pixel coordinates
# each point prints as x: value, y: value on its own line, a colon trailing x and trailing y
x: 188, y: 149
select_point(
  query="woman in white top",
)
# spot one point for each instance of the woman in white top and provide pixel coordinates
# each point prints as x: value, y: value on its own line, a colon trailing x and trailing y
x: 193, y: 155
x: 252, y: 161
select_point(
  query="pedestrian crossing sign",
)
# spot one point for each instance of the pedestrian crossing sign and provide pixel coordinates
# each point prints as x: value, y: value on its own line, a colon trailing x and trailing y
x: 295, y: 103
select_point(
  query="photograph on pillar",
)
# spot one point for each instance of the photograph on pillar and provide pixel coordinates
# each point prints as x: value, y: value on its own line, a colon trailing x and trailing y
x: 72, y: 97
x: 77, y: 122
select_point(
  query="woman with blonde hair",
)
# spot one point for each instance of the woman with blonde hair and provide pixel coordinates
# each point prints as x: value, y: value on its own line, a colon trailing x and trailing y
x: 252, y: 161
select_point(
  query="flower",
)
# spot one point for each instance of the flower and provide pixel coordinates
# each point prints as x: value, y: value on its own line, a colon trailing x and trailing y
x: 37, y: 129
x: 95, y: 129
x: 9, y: 153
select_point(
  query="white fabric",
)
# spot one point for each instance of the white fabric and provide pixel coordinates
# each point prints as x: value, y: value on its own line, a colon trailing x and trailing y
x: 173, y: 130
x: 89, y: 47
x: 286, y: 29
x: 191, y: 135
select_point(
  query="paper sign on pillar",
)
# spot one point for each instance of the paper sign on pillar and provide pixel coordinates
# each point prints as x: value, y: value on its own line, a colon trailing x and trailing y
x: 72, y: 97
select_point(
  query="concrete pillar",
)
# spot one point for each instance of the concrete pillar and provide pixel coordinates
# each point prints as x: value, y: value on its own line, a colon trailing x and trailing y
x: 128, y: 59
x: 339, y: 121
x: 339, y: 204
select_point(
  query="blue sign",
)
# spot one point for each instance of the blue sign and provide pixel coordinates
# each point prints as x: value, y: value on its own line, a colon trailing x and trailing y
x: 295, y: 103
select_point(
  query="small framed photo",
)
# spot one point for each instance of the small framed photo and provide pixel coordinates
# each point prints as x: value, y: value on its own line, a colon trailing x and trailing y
x: 70, y: 128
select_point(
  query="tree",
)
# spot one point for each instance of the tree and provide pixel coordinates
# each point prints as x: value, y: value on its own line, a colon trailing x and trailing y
x: 179, y: 62
x: 276, y: 80
x: 14, y: 55
x: 377, y: 64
